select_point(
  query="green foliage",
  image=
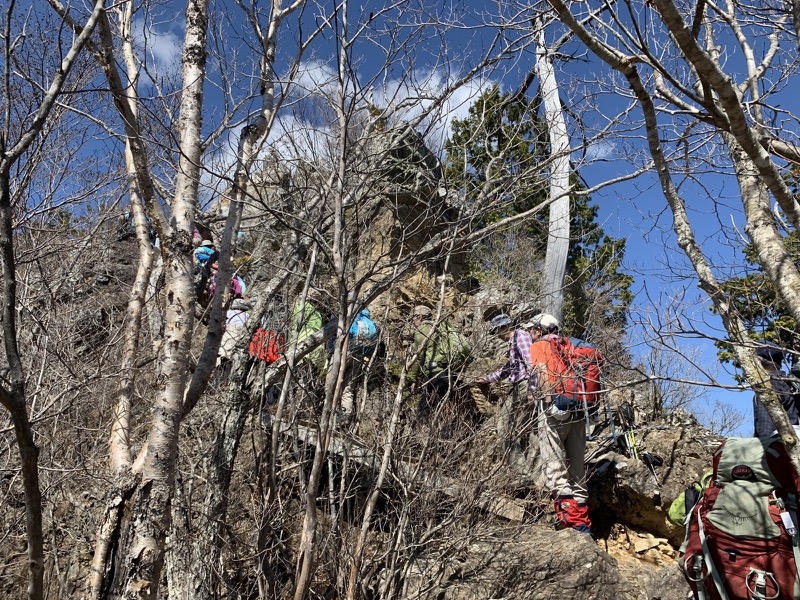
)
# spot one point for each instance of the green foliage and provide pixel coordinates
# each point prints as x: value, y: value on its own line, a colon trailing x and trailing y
x: 755, y: 300
x: 497, y: 152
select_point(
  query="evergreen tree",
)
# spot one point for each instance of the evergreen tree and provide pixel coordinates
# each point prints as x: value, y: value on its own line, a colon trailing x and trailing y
x: 753, y: 297
x: 502, y: 143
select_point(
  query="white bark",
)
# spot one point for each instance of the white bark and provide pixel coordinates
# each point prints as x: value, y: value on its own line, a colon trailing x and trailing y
x: 754, y: 177
x: 555, y: 264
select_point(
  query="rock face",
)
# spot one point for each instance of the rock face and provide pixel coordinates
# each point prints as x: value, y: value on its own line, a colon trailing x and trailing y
x: 540, y: 564
x: 629, y: 491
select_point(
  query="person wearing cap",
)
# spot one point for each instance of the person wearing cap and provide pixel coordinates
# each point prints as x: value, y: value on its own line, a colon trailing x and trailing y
x: 771, y: 357
x: 562, y: 433
x: 204, y: 252
x: 430, y: 366
x: 517, y: 371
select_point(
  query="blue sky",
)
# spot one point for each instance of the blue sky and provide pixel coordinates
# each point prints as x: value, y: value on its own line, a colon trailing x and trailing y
x: 634, y: 210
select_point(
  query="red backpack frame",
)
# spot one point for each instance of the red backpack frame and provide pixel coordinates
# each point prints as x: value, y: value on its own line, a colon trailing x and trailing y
x: 575, y: 370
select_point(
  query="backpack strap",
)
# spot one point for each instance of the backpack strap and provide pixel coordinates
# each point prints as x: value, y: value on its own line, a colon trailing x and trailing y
x: 694, y: 573
x: 709, y: 561
x: 756, y: 583
x: 791, y: 501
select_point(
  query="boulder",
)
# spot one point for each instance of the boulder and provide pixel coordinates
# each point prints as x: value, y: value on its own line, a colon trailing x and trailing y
x: 540, y: 564
x: 629, y: 491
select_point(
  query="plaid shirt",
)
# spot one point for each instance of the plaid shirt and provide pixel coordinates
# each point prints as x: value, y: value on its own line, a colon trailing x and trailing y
x: 517, y: 367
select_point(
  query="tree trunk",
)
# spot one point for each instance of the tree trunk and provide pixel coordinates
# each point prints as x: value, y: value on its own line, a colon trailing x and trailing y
x: 13, y: 399
x: 555, y: 262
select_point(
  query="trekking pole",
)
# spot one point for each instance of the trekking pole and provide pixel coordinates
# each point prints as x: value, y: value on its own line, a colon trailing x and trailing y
x: 586, y: 416
x: 628, y: 418
x: 610, y: 416
x: 631, y: 439
x: 653, y: 461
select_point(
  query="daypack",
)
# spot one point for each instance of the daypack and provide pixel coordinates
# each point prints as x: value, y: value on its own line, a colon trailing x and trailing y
x: 686, y: 500
x: 267, y: 345
x: 364, y: 335
x: 573, y: 368
x: 269, y: 340
x: 741, y: 537
x: 448, y: 348
x: 458, y: 348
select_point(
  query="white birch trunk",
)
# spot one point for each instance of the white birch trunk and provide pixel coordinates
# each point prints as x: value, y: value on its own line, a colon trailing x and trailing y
x: 555, y: 263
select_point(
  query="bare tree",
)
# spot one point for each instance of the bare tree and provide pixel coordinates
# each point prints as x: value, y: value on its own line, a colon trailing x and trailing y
x: 327, y: 162
x: 558, y: 235
x: 712, y: 102
x: 13, y: 395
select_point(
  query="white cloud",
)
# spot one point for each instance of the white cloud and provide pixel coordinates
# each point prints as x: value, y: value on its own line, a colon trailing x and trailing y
x: 159, y: 49
x: 603, y: 149
x: 410, y: 97
x: 304, y: 127
x: 316, y: 78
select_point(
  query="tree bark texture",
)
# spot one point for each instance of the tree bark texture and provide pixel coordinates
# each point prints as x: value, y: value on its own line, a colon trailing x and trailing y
x: 555, y: 262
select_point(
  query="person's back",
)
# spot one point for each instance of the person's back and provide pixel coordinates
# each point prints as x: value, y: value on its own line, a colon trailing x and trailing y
x: 203, y: 253
x: 430, y: 370
x: 562, y: 433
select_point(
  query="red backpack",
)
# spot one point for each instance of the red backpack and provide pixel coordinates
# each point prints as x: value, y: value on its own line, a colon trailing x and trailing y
x: 267, y: 345
x: 573, y: 367
x: 741, y: 540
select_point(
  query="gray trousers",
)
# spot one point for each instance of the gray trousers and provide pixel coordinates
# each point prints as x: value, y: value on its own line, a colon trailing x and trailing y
x: 562, y: 439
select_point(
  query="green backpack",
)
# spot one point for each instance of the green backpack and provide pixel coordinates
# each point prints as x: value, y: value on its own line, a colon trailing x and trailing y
x: 449, y: 348
x: 456, y: 346
x: 684, y: 503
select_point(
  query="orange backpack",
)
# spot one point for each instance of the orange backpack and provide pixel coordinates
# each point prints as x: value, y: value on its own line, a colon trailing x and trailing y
x: 573, y: 369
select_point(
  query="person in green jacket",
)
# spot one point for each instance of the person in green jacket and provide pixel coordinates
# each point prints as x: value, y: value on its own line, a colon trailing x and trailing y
x: 430, y: 371
x: 310, y: 322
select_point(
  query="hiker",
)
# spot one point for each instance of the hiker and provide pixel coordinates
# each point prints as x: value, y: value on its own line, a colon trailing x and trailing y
x: 204, y: 252
x: 562, y: 432
x: 235, y: 331
x: 364, y: 341
x: 771, y: 358
x: 205, y: 257
x: 517, y: 371
x: 440, y: 355
x: 310, y: 321
x: 127, y: 228
x: 238, y: 287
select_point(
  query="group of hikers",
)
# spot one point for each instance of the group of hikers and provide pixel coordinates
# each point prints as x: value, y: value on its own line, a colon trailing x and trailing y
x: 550, y: 415
x: 552, y: 382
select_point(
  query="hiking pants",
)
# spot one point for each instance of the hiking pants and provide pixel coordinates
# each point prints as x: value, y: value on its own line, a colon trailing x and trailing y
x: 562, y: 439
x: 432, y: 393
x: 355, y: 369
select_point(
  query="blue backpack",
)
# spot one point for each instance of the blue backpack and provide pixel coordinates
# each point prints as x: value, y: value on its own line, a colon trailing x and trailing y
x: 364, y: 335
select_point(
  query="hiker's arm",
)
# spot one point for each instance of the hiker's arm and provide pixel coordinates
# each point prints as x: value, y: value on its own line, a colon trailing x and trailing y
x: 533, y: 383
